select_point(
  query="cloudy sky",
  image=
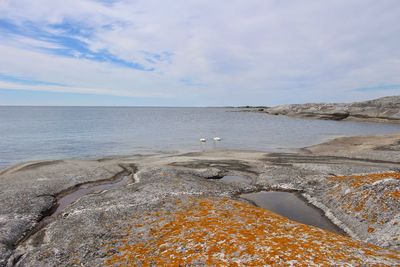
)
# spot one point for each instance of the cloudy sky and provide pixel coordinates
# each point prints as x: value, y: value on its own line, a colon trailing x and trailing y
x: 197, y: 52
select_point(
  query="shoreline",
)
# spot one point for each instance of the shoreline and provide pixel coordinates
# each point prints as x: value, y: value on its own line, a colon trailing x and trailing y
x: 322, y: 173
x: 320, y: 116
x: 148, y: 152
x: 381, y: 110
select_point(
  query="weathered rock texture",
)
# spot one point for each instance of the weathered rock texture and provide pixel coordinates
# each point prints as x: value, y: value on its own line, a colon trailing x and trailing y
x: 29, y: 192
x: 225, y: 232
x: 175, y: 205
x: 386, y: 109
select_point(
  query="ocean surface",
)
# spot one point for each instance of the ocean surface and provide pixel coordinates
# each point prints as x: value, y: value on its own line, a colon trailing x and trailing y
x: 38, y: 133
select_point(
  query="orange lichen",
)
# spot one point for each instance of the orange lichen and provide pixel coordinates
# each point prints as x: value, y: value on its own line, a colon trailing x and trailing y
x: 360, y: 180
x: 395, y: 194
x: 226, y: 232
x: 360, y: 195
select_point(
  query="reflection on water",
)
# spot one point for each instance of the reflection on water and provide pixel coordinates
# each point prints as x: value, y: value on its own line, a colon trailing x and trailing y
x: 290, y: 205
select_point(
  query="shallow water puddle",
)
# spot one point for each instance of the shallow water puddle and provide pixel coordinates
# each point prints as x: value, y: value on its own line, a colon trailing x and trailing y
x: 87, y: 189
x: 75, y: 194
x: 292, y: 206
x: 235, y: 179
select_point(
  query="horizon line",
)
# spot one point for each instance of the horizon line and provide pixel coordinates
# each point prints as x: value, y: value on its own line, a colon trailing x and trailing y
x: 116, y: 106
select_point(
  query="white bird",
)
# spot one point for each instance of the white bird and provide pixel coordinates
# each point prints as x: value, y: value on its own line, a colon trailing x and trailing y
x: 203, y: 140
x: 217, y: 139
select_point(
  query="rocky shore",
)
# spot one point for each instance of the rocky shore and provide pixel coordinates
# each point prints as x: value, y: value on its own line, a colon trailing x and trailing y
x: 385, y: 109
x: 174, y: 209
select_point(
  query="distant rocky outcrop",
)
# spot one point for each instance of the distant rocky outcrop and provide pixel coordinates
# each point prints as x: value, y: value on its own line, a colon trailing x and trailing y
x: 385, y: 109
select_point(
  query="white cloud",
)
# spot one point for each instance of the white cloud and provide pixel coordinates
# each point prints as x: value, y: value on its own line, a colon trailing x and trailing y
x: 256, y: 52
x: 30, y: 43
x: 71, y: 89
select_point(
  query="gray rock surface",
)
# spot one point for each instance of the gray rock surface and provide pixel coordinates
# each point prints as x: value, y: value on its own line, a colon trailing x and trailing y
x: 81, y: 233
x: 385, y: 109
x: 29, y: 192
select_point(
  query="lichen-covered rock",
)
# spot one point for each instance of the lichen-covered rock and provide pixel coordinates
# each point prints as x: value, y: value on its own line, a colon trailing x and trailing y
x: 225, y: 232
x: 373, y: 200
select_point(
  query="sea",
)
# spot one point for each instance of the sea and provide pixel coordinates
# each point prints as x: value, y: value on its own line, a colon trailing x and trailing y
x: 46, y: 133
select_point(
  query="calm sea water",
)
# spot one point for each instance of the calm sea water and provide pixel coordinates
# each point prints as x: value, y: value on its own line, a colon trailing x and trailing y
x: 36, y: 133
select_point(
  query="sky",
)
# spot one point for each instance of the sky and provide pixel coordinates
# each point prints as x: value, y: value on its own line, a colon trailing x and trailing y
x: 197, y: 52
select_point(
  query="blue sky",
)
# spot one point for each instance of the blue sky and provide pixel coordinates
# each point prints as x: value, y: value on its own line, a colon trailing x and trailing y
x: 197, y: 53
